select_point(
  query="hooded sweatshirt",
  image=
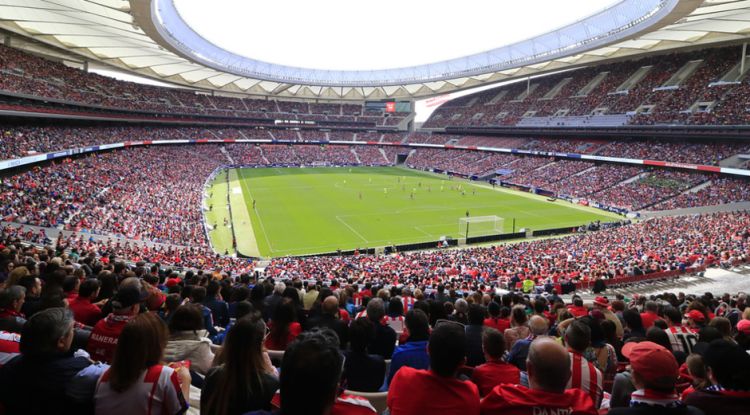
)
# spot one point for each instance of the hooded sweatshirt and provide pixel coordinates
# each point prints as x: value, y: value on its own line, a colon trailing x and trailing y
x: 509, y: 399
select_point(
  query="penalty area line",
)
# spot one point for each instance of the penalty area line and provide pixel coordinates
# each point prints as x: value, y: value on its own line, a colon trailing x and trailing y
x: 352, y: 229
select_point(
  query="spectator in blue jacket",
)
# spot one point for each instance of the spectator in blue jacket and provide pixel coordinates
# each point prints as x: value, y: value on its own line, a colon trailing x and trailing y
x: 214, y: 302
x: 413, y: 353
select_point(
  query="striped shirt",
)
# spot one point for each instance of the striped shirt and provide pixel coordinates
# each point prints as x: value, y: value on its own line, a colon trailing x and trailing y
x: 682, y: 339
x: 157, y: 392
x: 9, y: 346
x: 585, y: 376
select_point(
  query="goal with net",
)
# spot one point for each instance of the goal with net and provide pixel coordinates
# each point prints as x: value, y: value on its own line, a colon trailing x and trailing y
x: 480, y: 226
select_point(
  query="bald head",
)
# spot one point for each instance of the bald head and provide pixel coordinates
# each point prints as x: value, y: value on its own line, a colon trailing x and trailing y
x: 548, y: 365
x: 538, y: 325
x: 330, y: 305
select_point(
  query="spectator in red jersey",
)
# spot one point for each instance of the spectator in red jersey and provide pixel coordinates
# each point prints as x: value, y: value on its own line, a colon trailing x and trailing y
x: 437, y: 390
x: 496, y: 371
x: 654, y: 373
x: 126, y: 304
x: 577, y: 309
x: 496, y: 320
x: 11, y: 302
x: 137, y: 382
x: 584, y: 374
x: 84, y: 310
x: 549, y: 370
x: 681, y: 338
x: 283, y: 326
x: 649, y: 314
x: 9, y: 346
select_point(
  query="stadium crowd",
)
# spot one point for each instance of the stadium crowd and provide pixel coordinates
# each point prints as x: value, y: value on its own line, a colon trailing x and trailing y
x: 663, y: 89
x: 428, y: 332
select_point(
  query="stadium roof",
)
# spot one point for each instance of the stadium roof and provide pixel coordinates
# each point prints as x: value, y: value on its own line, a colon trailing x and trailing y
x: 132, y: 36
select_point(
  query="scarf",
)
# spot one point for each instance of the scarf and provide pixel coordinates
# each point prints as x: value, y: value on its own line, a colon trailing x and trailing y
x: 647, y: 397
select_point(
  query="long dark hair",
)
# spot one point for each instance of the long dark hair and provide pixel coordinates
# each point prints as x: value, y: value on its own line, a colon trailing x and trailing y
x: 283, y: 316
x: 243, y: 366
x: 141, y: 345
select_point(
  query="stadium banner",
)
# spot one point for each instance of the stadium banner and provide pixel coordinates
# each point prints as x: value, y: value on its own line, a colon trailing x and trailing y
x: 611, y: 159
x: 737, y: 172
x: 688, y: 166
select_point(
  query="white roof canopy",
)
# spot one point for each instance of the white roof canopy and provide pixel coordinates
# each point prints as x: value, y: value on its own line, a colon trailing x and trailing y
x: 122, y: 34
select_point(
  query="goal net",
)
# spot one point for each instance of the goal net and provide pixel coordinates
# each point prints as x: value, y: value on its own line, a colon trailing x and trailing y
x: 480, y: 226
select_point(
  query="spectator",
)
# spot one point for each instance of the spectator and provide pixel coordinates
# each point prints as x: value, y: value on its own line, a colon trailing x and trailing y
x: 188, y: 339
x: 283, y: 327
x: 36, y: 382
x: 11, y: 303
x: 729, y: 393
x: 519, y: 326
x: 125, y: 306
x: 214, y: 302
x: 413, y: 353
x: 549, y: 371
x: 602, y: 304
x: 137, y: 382
x: 696, y: 320
x: 633, y: 325
x: 520, y: 351
x: 363, y: 372
x: 242, y: 382
x: 584, y: 374
x: 316, y: 355
x: 474, y: 353
x: 329, y: 317
x: 649, y: 314
x: 681, y: 338
x: 654, y: 374
x: 385, y: 337
x: 496, y: 320
x: 197, y: 296
x: 84, y: 310
x: 496, y: 371
x: 436, y: 390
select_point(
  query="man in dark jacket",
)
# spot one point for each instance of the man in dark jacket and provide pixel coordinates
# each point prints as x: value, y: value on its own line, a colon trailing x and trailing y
x: 728, y: 368
x: 36, y: 381
x: 329, y: 318
x: 219, y: 308
x: 385, y: 337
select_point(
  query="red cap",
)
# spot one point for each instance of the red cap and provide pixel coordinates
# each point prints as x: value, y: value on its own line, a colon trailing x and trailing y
x: 601, y: 301
x: 653, y: 363
x: 743, y: 326
x: 172, y: 282
x: 695, y: 315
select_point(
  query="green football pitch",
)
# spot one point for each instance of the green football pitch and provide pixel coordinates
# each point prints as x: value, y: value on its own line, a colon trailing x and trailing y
x: 302, y: 211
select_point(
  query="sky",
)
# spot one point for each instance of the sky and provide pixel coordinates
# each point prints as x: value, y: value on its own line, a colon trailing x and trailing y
x: 359, y: 35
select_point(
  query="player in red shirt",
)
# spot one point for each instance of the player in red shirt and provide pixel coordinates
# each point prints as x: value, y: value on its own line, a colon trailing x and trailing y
x: 548, y: 368
x: 437, y: 390
x: 496, y: 371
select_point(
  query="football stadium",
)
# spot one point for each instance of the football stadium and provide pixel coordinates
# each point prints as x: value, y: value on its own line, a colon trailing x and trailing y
x: 340, y: 208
